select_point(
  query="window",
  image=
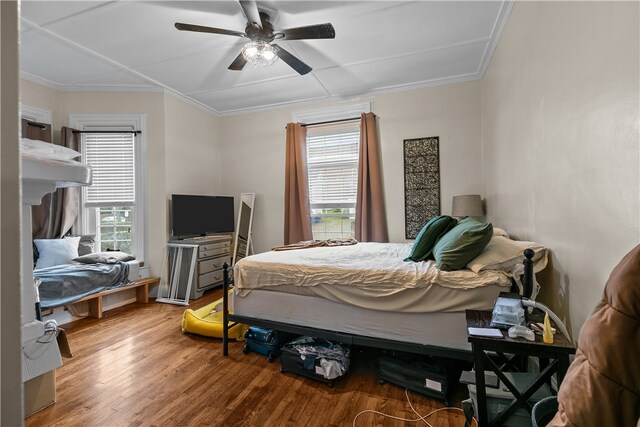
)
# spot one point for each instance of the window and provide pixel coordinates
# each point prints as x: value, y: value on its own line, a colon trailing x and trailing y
x: 332, y: 161
x: 110, y: 200
x: 113, y: 208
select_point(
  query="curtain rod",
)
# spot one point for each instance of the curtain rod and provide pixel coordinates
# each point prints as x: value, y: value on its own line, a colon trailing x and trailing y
x: 134, y: 132
x: 37, y: 125
x: 330, y: 121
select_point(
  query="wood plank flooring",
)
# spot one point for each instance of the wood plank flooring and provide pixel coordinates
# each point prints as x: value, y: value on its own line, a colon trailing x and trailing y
x: 134, y: 367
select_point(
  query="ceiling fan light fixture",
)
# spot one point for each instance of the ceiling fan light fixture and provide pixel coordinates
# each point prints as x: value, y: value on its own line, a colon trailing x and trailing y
x: 259, y: 54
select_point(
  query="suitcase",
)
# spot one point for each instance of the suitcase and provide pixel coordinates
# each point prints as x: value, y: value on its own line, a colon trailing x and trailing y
x: 266, y: 342
x: 426, y: 375
x: 315, y: 358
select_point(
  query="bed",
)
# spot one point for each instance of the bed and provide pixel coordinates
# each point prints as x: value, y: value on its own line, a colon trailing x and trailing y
x: 366, y: 294
x: 71, y: 270
x: 69, y: 283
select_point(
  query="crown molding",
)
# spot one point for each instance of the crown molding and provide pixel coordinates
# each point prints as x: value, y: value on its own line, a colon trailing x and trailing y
x: 37, y: 114
x: 496, y: 33
x: 192, y: 102
x: 39, y: 80
x: 109, y: 88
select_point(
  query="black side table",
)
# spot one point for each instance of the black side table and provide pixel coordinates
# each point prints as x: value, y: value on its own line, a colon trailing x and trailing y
x: 558, y: 354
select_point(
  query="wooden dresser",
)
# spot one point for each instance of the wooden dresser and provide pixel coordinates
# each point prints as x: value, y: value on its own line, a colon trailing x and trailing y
x: 213, y: 252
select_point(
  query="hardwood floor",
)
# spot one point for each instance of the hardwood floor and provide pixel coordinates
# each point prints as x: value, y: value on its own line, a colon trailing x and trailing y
x: 134, y: 367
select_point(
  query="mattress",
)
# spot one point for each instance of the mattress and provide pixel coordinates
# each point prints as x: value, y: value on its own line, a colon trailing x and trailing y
x: 134, y: 270
x: 371, y: 276
x: 68, y: 283
x: 440, y: 329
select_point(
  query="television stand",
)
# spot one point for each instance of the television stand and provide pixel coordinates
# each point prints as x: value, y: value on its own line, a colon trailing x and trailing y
x: 212, y: 252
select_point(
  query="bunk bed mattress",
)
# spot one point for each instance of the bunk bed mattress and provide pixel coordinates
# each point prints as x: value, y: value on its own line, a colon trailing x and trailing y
x: 68, y: 283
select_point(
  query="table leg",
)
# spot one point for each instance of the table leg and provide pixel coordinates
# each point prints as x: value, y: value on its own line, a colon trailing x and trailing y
x: 225, y: 310
x: 563, y: 365
x: 481, y: 393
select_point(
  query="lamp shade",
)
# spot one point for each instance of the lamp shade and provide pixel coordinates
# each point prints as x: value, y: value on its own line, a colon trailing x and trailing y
x: 467, y: 205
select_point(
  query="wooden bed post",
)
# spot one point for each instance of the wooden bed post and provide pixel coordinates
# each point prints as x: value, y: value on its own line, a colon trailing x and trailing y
x: 225, y: 309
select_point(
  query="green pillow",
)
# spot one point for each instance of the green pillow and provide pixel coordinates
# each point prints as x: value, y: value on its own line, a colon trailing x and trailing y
x: 429, y: 235
x: 462, y: 244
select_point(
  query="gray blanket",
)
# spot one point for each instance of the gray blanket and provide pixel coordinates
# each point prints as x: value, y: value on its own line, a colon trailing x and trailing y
x: 67, y: 283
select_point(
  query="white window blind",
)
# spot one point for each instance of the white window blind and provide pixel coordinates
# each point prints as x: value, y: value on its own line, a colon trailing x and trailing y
x: 112, y: 158
x: 332, y: 161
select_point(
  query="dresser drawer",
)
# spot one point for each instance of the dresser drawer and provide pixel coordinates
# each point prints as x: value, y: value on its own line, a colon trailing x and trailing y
x: 207, y: 279
x: 218, y: 246
x: 212, y: 264
x: 211, y: 254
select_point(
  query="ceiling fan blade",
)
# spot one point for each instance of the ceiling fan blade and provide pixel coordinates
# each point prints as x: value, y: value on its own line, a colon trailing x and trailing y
x: 202, y: 29
x: 293, y: 62
x: 238, y: 63
x: 319, y: 31
x: 250, y: 9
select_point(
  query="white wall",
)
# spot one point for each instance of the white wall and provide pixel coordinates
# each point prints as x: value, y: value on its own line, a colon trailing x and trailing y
x: 253, y: 152
x: 10, y: 232
x: 561, y: 144
x: 192, y: 155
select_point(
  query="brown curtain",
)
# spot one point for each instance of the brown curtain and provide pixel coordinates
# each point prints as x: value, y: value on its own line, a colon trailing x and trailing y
x: 297, y: 214
x: 39, y: 213
x: 371, y: 223
x: 66, y: 201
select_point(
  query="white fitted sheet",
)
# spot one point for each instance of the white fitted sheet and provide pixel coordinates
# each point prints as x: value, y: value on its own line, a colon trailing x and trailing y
x: 134, y: 270
x: 441, y: 329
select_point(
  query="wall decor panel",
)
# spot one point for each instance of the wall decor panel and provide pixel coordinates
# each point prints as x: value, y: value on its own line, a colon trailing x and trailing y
x: 421, y: 183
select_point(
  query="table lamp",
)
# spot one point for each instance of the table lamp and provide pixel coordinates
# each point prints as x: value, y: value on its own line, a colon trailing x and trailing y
x: 467, y: 205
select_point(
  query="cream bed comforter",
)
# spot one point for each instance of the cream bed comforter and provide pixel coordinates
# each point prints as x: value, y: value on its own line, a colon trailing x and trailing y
x: 362, y: 273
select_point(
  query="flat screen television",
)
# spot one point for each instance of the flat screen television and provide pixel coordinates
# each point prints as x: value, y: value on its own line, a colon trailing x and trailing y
x: 193, y: 215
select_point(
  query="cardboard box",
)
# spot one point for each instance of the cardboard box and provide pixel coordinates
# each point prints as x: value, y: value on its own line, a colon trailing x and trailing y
x: 39, y: 392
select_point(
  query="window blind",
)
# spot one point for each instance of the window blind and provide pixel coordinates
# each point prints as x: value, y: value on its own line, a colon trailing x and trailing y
x: 112, y: 160
x: 332, y: 163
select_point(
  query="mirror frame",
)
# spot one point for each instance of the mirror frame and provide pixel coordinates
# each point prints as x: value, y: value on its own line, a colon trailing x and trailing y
x: 245, y: 220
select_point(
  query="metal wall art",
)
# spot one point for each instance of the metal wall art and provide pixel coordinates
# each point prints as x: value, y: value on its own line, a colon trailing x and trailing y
x: 421, y: 183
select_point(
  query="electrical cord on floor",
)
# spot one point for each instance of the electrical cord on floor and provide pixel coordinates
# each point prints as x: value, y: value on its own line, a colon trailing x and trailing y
x: 422, y: 417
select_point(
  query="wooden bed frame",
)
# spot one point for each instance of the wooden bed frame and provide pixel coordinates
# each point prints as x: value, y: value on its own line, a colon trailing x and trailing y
x: 95, y: 300
x: 229, y: 320
x: 142, y: 295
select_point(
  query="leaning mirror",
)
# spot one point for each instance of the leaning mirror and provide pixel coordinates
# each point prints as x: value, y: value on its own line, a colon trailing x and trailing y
x: 243, y: 244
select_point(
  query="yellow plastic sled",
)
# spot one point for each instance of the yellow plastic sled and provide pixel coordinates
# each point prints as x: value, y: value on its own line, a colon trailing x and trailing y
x: 207, y: 321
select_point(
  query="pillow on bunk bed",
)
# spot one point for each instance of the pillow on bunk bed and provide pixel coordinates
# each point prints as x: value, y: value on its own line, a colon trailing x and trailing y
x: 462, y: 244
x: 110, y: 257
x: 46, y: 150
x: 429, y: 235
x: 504, y: 254
x: 56, y: 251
x: 87, y: 244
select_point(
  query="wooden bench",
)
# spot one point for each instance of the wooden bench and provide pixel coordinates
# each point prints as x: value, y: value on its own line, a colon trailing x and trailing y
x: 142, y: 295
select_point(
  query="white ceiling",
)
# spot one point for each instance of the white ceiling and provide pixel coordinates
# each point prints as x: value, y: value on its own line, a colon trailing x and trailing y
x: 380, y: 46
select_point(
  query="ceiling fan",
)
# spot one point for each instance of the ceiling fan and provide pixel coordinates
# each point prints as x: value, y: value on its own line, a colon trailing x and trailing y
x: 261, y: 50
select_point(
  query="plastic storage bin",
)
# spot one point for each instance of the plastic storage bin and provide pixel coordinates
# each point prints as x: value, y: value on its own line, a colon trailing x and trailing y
x: 498, y: 399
